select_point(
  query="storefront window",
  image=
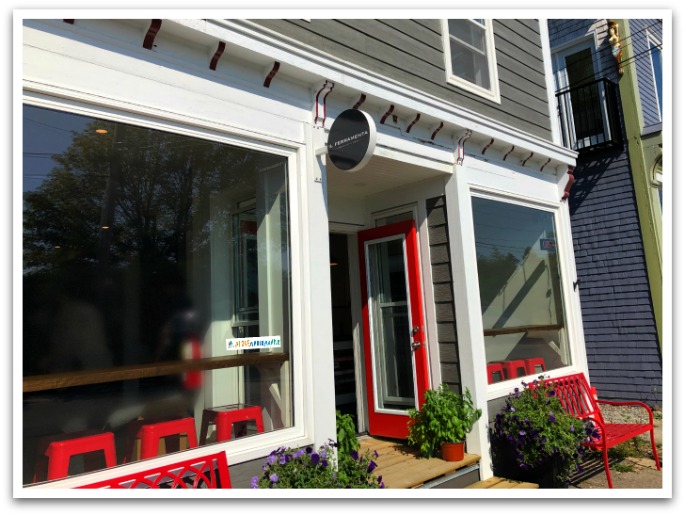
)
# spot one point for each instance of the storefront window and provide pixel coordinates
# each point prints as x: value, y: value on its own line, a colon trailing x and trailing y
x: 520, y: 289
x: 150, y: 260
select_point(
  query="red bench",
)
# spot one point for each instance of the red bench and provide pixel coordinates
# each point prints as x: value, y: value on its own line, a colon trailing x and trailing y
x: 210, y: 471
x: 577, y: 398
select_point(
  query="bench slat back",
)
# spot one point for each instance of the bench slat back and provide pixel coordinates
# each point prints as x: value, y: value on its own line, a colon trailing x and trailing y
x: 575, y: 395
x: 209, y: 471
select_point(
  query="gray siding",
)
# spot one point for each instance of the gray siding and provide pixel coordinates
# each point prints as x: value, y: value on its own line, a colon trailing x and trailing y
x: 639, y: 29
x: 410, y: 52
x: 443, y: 292
x: 622, y: 344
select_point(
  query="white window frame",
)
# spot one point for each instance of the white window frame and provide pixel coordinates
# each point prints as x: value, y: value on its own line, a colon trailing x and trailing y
x: 257, y: 446
x: 484, y: 180
x: 654, y: 44
x: 555, y: 210
x: 491, y: 94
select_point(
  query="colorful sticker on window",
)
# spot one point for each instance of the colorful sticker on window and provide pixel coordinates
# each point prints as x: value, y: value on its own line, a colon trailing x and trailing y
x: 259, y: 342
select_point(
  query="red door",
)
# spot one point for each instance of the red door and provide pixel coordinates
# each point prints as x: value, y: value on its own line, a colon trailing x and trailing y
x: 394, y: 334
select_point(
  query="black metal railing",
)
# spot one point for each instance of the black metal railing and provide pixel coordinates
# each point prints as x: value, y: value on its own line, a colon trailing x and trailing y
x: 589, y: 116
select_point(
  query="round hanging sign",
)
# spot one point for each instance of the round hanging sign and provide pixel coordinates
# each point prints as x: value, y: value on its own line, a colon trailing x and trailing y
x: 351, y: 140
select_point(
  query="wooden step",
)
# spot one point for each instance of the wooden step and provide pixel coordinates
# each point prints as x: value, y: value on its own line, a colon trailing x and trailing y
x: 500, y: 482
x: 402, y: 467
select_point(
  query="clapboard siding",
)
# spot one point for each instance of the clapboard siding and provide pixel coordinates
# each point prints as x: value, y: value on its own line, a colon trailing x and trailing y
x: 620, y: 332
x: 413, y: 30
x: 505, y: 37
x: 621, y: 339
x: 442, y: 288
x: 411, y: 52
x: 375, y: 30
x: 639, y: 31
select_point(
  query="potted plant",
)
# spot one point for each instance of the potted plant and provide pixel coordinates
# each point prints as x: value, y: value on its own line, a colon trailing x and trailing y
x: 535, y: 440
x: 442, y: 423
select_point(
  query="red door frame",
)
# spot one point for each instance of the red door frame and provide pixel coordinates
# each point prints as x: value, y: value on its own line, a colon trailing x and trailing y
x: 386, y: 424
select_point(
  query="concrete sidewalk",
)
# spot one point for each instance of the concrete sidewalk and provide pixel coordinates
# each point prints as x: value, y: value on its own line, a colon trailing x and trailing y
x: 630, y: 472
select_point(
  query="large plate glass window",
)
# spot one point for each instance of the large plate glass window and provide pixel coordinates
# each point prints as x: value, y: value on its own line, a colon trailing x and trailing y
x: 147, y: 257
x: 470, y: 62
x: 520, y: 289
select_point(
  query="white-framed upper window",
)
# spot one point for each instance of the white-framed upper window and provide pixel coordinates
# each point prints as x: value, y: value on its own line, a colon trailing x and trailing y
x: 657, y: 70
x: 470, y: 61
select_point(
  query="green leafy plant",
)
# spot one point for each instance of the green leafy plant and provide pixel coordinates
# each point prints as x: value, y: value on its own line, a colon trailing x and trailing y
x: 347, y: 433
x: 534, y: 439
x: 306, y: 468
x: 445, y: 417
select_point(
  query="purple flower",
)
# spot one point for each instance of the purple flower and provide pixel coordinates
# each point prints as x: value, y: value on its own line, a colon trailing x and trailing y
x: 552, y: 418
x: 516, y: 390
x: 551, y: 393
x: 271, y: 459
x: 274, y: 478
x: 382, y: 484
x: 324, y: 463
x: 309, y: 450
x: 354, y: 455
x: 375, y: 454
x: 298, y: 453
x: 255, y: 482
x: 380, y: 479
x: 323, y: 453
x: 573, y: 428
x: 512, y: 408
x: 372, y: 465
x: 315, y: 458
x: 282, y: 460
x: 522, y: 432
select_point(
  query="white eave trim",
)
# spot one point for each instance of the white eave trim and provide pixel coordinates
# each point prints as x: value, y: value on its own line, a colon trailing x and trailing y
x: 249, y: 35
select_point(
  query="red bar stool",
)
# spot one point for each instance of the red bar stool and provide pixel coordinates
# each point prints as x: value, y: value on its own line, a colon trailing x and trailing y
x: 514, y: 368
x: 150, y: 433
x: 55, y: 453
x: 535, y: 365
x: 495, y: 368
x: 225, y: 416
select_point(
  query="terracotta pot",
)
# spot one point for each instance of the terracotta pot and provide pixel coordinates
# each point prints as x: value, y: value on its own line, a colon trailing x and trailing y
x: 452, y: 451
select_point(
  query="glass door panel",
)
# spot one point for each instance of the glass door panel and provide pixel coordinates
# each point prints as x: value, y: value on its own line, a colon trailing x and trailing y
x: 394, y: 384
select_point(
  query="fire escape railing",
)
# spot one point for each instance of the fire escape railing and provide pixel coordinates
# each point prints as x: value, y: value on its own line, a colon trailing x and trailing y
x: 589, y: 116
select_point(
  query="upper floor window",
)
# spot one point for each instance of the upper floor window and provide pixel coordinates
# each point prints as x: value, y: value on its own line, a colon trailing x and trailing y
x: 655, y: 55
x: 470, y: 56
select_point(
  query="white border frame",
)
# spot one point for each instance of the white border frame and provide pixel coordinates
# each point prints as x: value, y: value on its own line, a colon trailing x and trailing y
x: 493, y: 93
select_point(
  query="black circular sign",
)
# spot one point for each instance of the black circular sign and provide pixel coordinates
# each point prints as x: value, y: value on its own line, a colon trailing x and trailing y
x: 351, y: 140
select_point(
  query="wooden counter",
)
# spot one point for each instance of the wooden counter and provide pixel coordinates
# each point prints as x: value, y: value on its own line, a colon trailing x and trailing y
x: 64, y: 380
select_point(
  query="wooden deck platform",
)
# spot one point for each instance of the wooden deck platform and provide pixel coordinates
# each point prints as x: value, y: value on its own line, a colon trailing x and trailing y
x: 402, y: 467
x: 500, y: 482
